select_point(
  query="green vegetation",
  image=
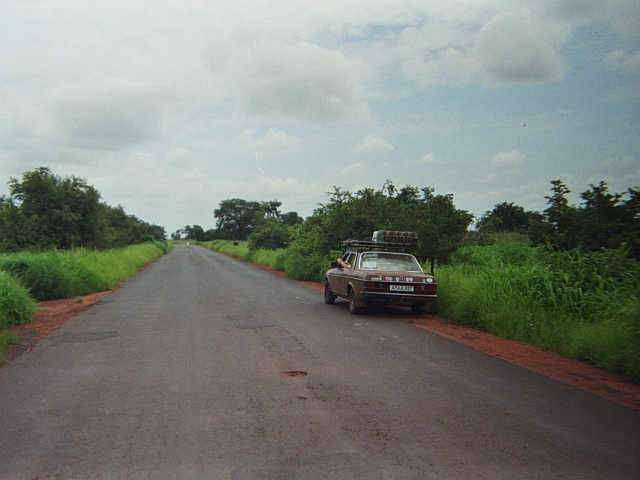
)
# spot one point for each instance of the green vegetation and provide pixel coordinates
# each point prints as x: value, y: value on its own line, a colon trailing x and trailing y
x: 26, y: 277
x: 261, y: 223
x: 583, y: 305
x: 603, y: 220
x: 441, y: 226
x: 275, y: 259
x: 64, y: 274
x: 45, y: 211
x: 16, y: 305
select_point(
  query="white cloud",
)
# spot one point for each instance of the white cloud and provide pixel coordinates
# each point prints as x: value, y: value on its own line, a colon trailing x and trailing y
x: 511, y: 159
x: 300, y: 81
x: 514, y: 45
x: 108, y: 114
x: 372, y: 144
x: 515, y: 48
x: 620, y: 60
x: 179, y: 157
x: 428, y: 159
x: 276, y: 141
x: 353, y: 170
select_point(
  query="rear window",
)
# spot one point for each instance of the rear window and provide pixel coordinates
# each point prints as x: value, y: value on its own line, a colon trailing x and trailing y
x: 390, y: 262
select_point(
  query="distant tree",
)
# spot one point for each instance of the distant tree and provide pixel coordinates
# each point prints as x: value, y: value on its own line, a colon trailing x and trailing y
x: 441, y: 226
x: 46, y: 211
x: 507, y: 217
x: 604, y: 220
x: 234, y: 218
x: 270, y: 234
x: 193, y: 233
x: 59, y: 212
x: 14, y: 227
x: 292, y: 218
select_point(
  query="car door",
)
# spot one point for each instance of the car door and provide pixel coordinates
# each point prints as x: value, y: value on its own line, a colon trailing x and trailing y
x: 346, y: 272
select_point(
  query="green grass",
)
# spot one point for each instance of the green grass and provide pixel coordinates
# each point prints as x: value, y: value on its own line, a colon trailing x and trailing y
x: 16, y: 305
x: 275, y: 259
x: 26, y: 276
x: 295, y: 265
x: 582, y: 305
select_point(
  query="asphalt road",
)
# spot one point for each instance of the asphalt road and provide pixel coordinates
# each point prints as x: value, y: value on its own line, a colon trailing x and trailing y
x: 181, y: 374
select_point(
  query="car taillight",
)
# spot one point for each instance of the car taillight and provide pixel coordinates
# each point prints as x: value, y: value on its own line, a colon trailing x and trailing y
x: 372, y: 285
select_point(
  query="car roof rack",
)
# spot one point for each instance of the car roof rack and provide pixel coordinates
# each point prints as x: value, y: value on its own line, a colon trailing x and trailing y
x: 369, y: 244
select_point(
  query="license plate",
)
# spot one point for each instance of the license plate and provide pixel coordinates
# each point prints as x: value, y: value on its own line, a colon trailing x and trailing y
x: 401, y: 288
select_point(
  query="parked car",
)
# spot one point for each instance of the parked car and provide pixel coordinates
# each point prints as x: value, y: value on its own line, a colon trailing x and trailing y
x: 381, y: 270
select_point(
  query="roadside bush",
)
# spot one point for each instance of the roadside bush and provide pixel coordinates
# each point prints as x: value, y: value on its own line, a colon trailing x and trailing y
x: 311, y: 267
x: 16, y: 305
x: 583, y: 305
x: 275, y: 259
x: 63, y: 274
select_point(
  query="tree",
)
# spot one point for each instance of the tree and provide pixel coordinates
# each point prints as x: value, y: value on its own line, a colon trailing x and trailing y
x: 234, y: 218
x: 269, y: 234
x: 47, y: 211
x: 604, y: 220
x: 62, y: 213
x: 441, y: 227
x: 507, y: 217
x: 193, y: 233
x: 291, y: 218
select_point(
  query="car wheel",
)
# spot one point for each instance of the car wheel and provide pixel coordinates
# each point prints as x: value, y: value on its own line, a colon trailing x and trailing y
x: 329, y: 297
x: 352, y: 303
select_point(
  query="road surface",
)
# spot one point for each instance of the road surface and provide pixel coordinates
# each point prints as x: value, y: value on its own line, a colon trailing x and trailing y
x: 206, y: 367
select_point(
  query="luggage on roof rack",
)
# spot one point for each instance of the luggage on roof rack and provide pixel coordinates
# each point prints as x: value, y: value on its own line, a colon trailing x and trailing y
x: 392, y: 236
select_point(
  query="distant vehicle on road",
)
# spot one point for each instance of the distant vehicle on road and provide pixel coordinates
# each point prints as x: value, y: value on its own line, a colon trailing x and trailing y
x: 381, y: 270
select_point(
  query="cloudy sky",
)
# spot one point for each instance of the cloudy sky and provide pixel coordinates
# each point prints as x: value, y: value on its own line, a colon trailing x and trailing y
x: 170, y: 107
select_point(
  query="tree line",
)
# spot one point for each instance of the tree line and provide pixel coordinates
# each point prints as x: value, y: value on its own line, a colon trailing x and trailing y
x: 261, y: 223
x: 440, y: 225
x: 45, y: 211
x: 603, y: 220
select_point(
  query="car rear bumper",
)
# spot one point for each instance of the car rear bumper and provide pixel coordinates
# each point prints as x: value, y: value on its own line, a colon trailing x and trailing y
x: 401, y: 298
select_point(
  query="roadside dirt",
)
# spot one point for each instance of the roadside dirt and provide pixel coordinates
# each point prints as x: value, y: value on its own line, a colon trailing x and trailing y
x: 581, y: 375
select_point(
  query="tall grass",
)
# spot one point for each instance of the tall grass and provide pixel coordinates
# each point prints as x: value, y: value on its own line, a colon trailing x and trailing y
x: 26, y: 277
x: 275, y: 259
x: 294, y: 264
x: 583, y: 305
x: 63, y: 274
x: 16, y: 305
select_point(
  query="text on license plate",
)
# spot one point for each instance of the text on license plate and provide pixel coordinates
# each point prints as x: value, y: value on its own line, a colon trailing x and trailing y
x: 401, y: 288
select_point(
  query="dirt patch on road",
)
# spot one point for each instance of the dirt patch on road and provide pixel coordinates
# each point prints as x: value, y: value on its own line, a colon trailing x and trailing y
x: 581, y: 375
x: 50, y: 315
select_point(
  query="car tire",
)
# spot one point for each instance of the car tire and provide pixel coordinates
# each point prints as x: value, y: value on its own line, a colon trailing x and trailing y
x: 329, y: 297
x: 352, y: 303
